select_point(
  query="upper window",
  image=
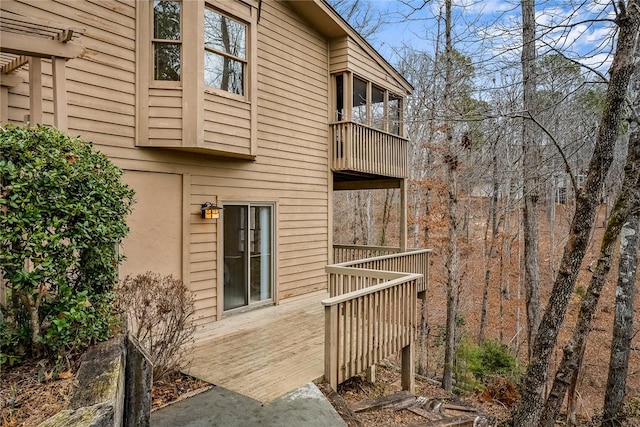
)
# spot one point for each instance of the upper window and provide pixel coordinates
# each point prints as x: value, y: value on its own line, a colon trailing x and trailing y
x: 395, y: 114
x: 377, y: 107
x: 167, y: 42
x: 225, y: 52
x: 371, y: 105
x: 359, y: 101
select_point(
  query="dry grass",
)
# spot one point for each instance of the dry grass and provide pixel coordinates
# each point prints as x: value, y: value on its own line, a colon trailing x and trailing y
x: 29, y: 394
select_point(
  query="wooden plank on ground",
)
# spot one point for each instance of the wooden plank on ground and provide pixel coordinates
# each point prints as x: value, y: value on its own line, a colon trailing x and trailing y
x: 400, y: 400
x: 424, y: 413
x: 457, y: 421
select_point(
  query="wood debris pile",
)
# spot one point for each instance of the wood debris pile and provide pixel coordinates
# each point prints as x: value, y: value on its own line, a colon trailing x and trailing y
x: 435, y: 412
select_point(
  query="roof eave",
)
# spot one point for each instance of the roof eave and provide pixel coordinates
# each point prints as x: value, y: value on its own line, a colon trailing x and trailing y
x: 330, y: 24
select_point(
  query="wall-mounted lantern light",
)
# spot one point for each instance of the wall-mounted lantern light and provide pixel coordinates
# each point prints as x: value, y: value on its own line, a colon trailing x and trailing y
x: 210, y: 211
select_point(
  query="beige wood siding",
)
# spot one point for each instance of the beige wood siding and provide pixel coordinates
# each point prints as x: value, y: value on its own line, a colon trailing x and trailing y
x: 291, y: 165
x: 227, y: 124
x: 347, y: 55
x: 100, y: 84
x: 339, y: 54
x: 203, y: 250
x: 292, y: 134
x: 165, y: 118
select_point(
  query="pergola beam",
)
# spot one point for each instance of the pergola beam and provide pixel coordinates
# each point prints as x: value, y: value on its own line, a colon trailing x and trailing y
x: 19, y: 44
x: 14, y: 64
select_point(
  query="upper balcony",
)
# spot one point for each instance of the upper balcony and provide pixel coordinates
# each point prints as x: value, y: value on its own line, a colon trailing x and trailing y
x: 367, y: 137
x: 362, y: 150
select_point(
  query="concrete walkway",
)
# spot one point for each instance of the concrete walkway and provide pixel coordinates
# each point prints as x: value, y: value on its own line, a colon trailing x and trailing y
x: 303, y: 407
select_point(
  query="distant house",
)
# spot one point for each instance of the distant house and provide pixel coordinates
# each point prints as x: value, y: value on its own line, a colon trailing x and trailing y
x: 263, y: 108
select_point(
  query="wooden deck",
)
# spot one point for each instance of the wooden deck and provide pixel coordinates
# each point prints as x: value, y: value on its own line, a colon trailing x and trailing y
x: 267, y: 352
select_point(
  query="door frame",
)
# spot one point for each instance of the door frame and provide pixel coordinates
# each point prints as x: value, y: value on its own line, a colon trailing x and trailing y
x: 221, y: 263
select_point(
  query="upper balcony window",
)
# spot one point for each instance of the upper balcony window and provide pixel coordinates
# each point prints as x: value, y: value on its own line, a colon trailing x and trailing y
x: 360, y: 101
x: 225, y: 52
x: 377, y: 108
x: 371, y: 105
x: 167, y: 42
x: 395, y: 113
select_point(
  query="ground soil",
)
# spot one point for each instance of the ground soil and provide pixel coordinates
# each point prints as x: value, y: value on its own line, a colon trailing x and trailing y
x: 358, y: 389
x: 36, y: 390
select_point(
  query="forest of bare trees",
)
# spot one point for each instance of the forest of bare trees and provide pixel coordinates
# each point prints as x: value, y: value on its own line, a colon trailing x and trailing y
x: 524, y: 181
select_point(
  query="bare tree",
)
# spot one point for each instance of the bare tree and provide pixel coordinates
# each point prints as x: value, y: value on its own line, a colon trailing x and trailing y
x: 623, y: 323
x: 362, y: 15
x: 627, y: 271
x: 531, y: 160
x: 528, y: 411
x: 452, y: 262
x: 567, y: 372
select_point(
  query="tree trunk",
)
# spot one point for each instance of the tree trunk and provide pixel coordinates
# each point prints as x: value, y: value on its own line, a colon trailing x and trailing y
x: 527, y: 413
x: 623, y: 320
x: 531, y: 161
x: 491, y: 251
x: 623, y: 323
x: 423, y: 364
x: 32, y: 304
x: 626, y: 203
x: 386, y: 215
x: 574, y: 350
x: 453, y: 257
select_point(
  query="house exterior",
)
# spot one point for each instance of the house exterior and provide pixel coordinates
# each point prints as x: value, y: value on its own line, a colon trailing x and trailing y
x: 261, y: 107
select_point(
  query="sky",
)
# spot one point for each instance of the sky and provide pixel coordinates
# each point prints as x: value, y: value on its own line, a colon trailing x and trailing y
x: 489, y: 30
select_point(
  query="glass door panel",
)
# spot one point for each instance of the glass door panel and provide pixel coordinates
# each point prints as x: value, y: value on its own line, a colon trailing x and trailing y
x: 261, y: 273
x: 235, y: 257
x: 248, y: 255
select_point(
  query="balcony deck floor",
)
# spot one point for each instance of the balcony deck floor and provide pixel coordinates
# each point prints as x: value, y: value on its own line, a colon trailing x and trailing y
x: 266, y: 352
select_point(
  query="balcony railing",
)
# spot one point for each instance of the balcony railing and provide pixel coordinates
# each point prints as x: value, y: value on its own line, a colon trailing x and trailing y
x: 363, y: 149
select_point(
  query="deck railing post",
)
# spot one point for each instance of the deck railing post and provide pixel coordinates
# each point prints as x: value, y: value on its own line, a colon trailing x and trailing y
x: 371, y: 374
x: 408, y: 368
x: 331, y: 345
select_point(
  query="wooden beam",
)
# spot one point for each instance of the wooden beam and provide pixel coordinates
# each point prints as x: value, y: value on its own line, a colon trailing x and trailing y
x: 403, y: 215
x: 35, y: 91
x: 4, y: 119
x: 14, y: 65
x: 368, y: 184
x: 19, y: 44
x: 10, y: 80
x: 59, y: 94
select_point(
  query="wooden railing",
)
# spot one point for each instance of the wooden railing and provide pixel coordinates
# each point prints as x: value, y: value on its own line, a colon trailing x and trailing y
x: 365, y: 149
x: 414, y: 261
x: 346, y: 253
x: 367, y: 325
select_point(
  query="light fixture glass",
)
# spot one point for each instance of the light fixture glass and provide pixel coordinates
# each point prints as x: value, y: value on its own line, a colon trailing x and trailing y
x: 210, y: 211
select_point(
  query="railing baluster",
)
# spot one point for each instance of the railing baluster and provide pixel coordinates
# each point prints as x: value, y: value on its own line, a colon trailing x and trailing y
x: 357, y: 147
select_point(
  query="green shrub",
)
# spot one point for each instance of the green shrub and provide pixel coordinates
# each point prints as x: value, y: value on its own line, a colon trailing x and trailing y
x: 62, y: 216
x: 476, y: 364
x: 77, y: 320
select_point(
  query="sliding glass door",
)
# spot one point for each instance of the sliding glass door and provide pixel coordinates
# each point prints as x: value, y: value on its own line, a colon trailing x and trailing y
x: 248, y: 254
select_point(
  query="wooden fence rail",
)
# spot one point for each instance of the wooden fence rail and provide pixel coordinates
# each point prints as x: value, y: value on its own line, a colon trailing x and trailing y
x: 414, y: 261
x: 346, y: 253
x: 364, y: 326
